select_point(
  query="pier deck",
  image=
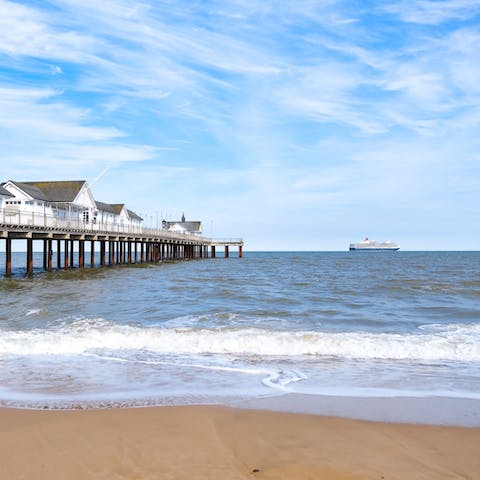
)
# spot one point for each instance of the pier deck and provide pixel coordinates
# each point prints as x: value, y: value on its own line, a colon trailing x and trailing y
x: 117, y: 246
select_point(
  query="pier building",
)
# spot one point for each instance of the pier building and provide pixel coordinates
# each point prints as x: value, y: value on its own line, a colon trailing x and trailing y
x: 64, y: 215
x: 191, y: 228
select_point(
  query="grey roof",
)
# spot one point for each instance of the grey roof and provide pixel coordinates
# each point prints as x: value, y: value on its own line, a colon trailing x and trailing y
x: 134, y: 215
x: 106, y: 207
x: 5, y: 193
x: 188, y: 226
x: 61, y: 191
x: 116, y: 208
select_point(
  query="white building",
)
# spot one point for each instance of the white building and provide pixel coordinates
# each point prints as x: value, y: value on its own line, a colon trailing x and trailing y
x: 118, y: 215
x: 182, y: 226
x: 64, y: 203
x: 4, y: 196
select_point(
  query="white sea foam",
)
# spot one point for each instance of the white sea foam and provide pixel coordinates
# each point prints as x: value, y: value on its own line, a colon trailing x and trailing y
x: 454, y: 342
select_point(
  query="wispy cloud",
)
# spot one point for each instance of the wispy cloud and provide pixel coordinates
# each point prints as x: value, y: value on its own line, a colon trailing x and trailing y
x: 434, y: 12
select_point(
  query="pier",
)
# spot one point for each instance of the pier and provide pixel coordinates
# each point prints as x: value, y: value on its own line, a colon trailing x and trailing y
x: 62, y: 241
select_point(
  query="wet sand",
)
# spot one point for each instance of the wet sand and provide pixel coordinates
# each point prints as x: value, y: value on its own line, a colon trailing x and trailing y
x: 204, y: 442
x: 452, y: 411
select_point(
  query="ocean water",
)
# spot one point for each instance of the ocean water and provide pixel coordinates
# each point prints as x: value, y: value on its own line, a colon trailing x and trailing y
x: 402, y: 324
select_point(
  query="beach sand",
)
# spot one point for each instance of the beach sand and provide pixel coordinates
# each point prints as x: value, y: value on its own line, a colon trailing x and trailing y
x: 203, y: 442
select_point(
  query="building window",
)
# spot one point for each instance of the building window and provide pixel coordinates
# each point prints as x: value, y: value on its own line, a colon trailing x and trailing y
x: 86, y: 216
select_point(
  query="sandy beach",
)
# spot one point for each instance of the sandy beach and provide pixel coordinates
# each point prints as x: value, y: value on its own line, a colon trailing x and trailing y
x: 203, y: 442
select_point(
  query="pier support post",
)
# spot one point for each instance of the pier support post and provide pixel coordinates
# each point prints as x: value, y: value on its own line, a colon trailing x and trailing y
x: 65, y: 255
x: 59, y: 254
x: 135, y: 252
x: 213, y: 251
x: 72, y: 245
x: 226, y: 251
x: 129, y: 259
x: 45, y: 251
x: 49, y: 255
x: 102, y: 253
x: 240, y: 251
x: 29, y: 256
x: 81, y: 254
x: 142, y: 252
x: 8, y: 257
x: 92, y: 253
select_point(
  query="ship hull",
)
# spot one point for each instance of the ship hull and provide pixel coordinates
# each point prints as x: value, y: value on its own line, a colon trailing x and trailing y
x: 373, y: 249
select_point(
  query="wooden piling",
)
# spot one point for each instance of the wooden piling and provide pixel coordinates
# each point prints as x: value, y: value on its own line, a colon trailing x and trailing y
x: 92, y: 253
x: 72, y: 245
x: 102, y: 253
x: 29, y: 256
x: 81, y: 254
x: 49, y: 255
x: 8, y: 257
x: 59, y: 254
x: 65, y: 255
x: 45, y: 252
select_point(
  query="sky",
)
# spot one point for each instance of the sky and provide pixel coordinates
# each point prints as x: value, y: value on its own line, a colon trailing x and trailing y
x: 296, y: 125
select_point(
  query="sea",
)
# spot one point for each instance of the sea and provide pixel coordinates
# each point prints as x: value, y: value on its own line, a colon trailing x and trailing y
x: 226, y: 331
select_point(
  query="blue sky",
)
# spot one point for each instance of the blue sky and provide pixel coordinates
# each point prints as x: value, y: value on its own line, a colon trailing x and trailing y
x: 297, y: 125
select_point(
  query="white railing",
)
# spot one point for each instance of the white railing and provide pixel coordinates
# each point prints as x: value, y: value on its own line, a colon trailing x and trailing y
x: 226, y: 241
x: 17, y: 217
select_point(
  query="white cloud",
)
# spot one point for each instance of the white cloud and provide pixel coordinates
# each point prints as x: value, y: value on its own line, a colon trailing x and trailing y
x: 26, y: 31
x: 56, y: 70
x: 434, y: 12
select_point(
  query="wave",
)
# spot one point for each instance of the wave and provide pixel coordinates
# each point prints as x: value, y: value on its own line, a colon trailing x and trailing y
x: 454, y: 342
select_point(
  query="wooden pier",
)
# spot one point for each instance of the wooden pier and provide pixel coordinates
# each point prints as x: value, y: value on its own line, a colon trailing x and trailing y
x: 114, y: 247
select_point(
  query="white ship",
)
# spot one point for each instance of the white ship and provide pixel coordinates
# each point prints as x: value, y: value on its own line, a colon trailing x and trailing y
x: 373, y: 246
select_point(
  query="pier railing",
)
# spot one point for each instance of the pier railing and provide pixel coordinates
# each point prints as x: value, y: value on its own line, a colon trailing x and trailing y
x: 24, y: 219
x: 226, y: 241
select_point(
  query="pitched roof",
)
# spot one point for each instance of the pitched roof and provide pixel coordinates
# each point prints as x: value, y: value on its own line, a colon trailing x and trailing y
x: 189, y: 226
x: 61, y: 191
x: 133, y: 215
x: 116, y: 208
x: 105, y: 207
x: 5, y: 193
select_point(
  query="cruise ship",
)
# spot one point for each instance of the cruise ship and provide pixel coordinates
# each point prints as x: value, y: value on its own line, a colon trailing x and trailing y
x: 373, y: 246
